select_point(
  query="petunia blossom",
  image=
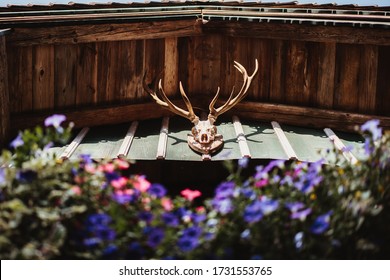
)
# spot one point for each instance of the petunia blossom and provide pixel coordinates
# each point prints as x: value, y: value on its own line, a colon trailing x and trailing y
x: 190, y: 194
x: 54, y: 120
x: 17, y: 142
x: 141, y: 184
x: 321, y: 223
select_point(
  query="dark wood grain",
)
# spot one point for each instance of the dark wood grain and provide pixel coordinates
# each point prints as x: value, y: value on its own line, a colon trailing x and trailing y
x: 4, y: 95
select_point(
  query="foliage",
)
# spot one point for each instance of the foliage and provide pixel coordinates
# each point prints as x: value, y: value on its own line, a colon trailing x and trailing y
x: 84, y: 209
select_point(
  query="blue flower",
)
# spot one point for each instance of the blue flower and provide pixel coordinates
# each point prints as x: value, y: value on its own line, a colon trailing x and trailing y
x: 294, y: 206
x: 243, y: 162
x: 86, y: 158
x: 98, y: 219
x: 268, y: 205
x: 135, y: 251
x: 372, y: 127
x: 321, y: 223
x: 17, y: 142
x: 301, y: 215
x: 124, y: 198
x: 54, y: 120
x: 262, y: 172
x: 110, y: 250
x: 145, y: 216
x: 224, y: 190
x: 170, y: 219
x: 253, y: 212
x: 245, y: 234
x: 298, y: 240
x: 92, y: 241
x: 157, y: 190
x: 187, y: 244
x: 2, y: 176
x: 248, y: 193
x: 26, y: 176
x: 156, y: 235
x: 198, y: 218
x: 192, y: 232
x: 223, y: 205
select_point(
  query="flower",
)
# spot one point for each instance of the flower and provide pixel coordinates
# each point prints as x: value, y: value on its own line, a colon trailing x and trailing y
x: 298, y: 240
x: 321, y: 223
x: 301, y: 215
x: 156, y: 235
x: 268, y: 205
x: 190, y: 194
x: 245, y: 234
x: 170, y: 219
x: 54, y: 120
x: 223, y: 205
x: 371, y: 126
x: 26, y: 176
x: 243, y: 162
x: 224, y: 190
x: 157, y: 190
x: 261, y: 183
x: 167, y: 204
x: 98, y: 219
x: 17, y: 142
x: 141, y: 184
x: 2, y: 176
x: 253, y: 212
x: 119, y: 182
x: 145, y: 216
x: 192, y: 232
x: 187, y: 244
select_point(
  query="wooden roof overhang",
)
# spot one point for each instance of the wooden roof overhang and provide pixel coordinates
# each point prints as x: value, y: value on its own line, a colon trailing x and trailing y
x: 79, y: 24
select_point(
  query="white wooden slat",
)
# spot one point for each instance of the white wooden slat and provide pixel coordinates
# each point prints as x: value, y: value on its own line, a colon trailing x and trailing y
x: 241, y: 139
x: 67, y: 153
x: 163, y: 139
x: 288, y: 149
x: 126, y: 144
x: 340, y: 145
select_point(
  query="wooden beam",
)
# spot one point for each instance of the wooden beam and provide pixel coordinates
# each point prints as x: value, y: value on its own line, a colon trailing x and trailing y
x: 241, y: 139
x: 340, y: 146
x: 24, y: 36
x: 162, y: 141
x: 4, y: 94
x: 125, y: 147
x: 299, y: 32
x: 67, y: 153
x: 286, y: 114
x: 288, y: 149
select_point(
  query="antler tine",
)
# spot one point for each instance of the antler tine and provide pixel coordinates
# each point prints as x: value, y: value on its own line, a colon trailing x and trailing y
x: 231, y: 102
x: 193, y: 118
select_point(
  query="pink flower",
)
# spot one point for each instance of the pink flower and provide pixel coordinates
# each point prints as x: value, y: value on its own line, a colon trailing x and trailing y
x: 261, y: 183
x: 76, y: 190
x: 119, y: 183
x: 200, y: 209
x: 167, y: 204
x: 122, y: 164
x: 141, y: 184
x: 90, y: 168
x: 108, y: 167
x: 190, y: 194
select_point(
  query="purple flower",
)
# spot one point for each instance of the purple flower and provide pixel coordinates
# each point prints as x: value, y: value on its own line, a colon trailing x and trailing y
x: 110, y: 249
x: 187, y: 244
x: 17, y: 142
x: 268, y: 205
x: 253, y: 212
x: 245, y: 234
x: 54, y: 120
x: 301, y: 215
x: 103, y: 232
x: 26, y: 176
x: 2, y: 176
x: 135, y: 251
x: 225, y: 190
x: 223, y: 205
x: 123, y: 198
x: 86, y: 158
x: 321, y: 223
x: 170, y: 219
x: 192, y: 232
x: 156, y: 235
x: 294, y: 206
x: 248, y: 193
x: 243, y: 162
x: 157, y: 190
x: 372, y: 127
x: 98, y: 219
x: 92, y: 242
x: 145, y: 216
x: 198, y: 218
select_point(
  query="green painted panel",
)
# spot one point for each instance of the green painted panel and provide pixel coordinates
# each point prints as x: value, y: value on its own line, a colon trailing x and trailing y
x: 230, y: 150
x: 144, y: 146
x: 308, y: 144
x: 355, y: 140
x: 262, y: 141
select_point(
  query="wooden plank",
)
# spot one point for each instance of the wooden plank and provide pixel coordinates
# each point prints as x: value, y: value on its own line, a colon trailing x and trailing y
x: 86, y: 84
x: 76, y: 34
x: 65, y: 77
x: 106, y: 68
x: 260, y: 87
x: 326, y: 75
x: 154, y: 61
x: 211, y: 65
x: 340, y: 146
x: 227, y: 70
x: 383, y: 85
x: 20, y: 67
x: 43, y: 77
x: 241, y: 139
x: 4, y: 94
x: 126, y: 144
x: 162, y: 141
x: 299, y: 32
x: 288, y: 149
x: 195, y: 61
x: 277, y: 72
x: 171, y: 66
x: 368, y: 79
x: 347, y: 77
x: 67, y: 153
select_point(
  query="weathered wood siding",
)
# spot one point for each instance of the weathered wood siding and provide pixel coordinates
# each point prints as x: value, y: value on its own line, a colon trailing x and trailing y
x: 327, y: 75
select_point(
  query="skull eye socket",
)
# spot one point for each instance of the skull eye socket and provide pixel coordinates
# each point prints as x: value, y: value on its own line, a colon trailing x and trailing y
x: 195, y: 131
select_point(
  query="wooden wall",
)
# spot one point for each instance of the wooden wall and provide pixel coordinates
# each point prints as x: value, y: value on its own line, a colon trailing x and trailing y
x: 340, y: 76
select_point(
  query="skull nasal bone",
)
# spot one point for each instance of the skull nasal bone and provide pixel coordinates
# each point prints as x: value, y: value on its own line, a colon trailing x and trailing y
x: 204, y: 138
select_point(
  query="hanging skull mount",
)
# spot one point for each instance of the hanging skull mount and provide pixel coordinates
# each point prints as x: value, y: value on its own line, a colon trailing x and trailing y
x: 204, y: 138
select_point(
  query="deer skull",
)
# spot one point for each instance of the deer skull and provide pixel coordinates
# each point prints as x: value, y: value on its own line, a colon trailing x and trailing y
x: 204, y: 137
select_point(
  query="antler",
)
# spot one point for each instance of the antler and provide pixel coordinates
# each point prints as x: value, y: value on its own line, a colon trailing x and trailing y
x: 165, y: 102
x: 231, y: 102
